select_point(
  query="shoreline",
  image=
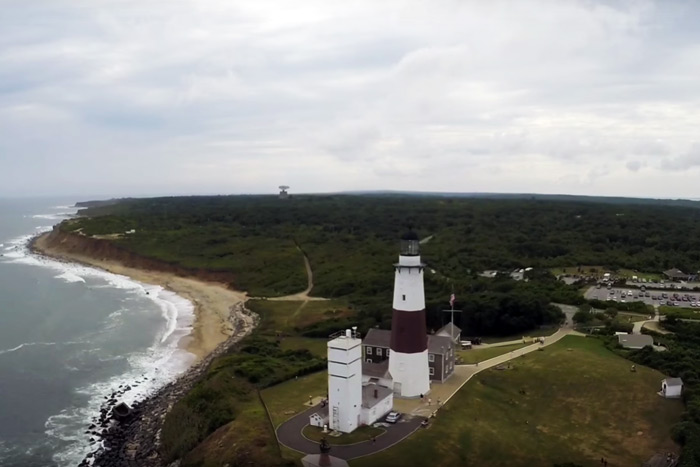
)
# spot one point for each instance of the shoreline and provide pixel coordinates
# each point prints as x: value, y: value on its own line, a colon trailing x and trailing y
x: 220, y: 321
x: 212, y: 301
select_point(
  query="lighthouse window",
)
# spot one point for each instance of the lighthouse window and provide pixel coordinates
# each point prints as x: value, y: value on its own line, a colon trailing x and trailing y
x: 431, y: 357
x: 403, y: 297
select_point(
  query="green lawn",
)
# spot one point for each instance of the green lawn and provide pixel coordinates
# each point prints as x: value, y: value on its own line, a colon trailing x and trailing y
x: 287, y: 317
x: 477, y: 354
x: 318, y: 347
x: 285, y: 400
x: 626, y: 317
x: 363, y: 433
x: 574, y: 402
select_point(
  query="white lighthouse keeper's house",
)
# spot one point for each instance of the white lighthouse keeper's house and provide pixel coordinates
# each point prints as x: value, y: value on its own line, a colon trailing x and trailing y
x: 345, y: 381
x: 408, y: 360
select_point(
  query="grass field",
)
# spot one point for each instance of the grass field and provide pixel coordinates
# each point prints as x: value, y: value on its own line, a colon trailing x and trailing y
x: 364, y: 433
x: 574, y: 402
x: 479, y: 355
x: 627, y: 317
x: 287, y: 317
x: 317, y: 347
x: 291, y: 397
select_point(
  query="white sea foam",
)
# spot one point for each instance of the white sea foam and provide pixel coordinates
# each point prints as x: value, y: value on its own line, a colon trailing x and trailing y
x: 26, y: 344
x: 70, y: 277
x: 32, y: 344
x: 55, y: 216
x: 162, y: 362
x: 153, y: 367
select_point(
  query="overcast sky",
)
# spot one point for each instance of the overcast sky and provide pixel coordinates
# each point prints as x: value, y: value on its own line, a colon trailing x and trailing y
x: 120, y: 97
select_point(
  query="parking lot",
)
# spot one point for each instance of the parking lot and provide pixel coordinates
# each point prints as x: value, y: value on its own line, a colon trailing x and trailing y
x: 679, y: 298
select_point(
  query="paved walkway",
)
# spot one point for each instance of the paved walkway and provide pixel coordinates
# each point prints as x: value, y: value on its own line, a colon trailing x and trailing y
x: 289, y: 434
x: 637, y: 328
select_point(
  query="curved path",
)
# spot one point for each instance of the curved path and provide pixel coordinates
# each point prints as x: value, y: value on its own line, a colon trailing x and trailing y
x: 301, y: 296
x: 289, y: 434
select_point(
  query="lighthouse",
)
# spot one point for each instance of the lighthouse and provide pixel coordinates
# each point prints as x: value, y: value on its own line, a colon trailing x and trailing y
x: 408, y: 360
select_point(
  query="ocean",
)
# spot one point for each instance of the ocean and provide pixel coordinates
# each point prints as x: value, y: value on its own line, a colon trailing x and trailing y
x: 69, y: 336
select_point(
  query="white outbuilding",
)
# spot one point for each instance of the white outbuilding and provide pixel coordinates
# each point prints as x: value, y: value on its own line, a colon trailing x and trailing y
x: 671, y: 387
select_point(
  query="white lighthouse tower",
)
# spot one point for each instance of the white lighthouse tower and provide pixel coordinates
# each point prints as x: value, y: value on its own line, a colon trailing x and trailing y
x: 408, y: 360
x: 345, y: 381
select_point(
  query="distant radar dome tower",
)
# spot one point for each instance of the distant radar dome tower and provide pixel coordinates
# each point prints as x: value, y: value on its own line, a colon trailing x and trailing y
x: 408, y: 360
x: 284, y: 194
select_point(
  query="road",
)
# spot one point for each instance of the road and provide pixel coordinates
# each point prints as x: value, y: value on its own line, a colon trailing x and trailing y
x: 289, y: 434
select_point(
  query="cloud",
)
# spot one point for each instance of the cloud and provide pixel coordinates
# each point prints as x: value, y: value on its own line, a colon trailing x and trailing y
x: 208, y: 96
x: 634, y: 166
x: 687, y: 160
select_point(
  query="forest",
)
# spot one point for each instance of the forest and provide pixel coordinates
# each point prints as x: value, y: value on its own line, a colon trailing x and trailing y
x: 352, y: 242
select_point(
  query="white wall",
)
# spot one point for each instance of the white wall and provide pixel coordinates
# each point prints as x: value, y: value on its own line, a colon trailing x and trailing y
x: 408, y: 283
x: 411, y: 371
x: 344, y: 383
x: 672, y: 391
x: 370, y: 416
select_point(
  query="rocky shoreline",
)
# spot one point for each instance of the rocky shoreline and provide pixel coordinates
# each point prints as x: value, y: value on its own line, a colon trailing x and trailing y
x: 135, y: 441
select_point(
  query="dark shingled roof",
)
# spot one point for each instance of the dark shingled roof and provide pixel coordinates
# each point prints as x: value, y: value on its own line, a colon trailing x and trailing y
x: 635, y: 341
x: 368, y: 399
x: 675, y: 273
x: 450, y: 329
x: 377, y: 338
x: 674, y: 382
x: 382, y: 338
x: 376, y: 370
x: 439, y: 344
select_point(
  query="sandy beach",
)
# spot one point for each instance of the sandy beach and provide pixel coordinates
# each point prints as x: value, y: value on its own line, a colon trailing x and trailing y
x: 214, y: 302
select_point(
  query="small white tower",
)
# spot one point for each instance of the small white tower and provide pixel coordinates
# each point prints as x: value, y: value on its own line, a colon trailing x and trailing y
x: 408, y: 360
x: 345, y: 381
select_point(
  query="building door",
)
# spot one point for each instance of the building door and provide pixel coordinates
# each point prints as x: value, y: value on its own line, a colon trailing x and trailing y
x: 397, y: 388
x: 336, y: 419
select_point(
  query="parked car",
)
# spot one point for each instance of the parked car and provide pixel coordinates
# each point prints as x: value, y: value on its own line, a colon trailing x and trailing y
x: 393, y: 417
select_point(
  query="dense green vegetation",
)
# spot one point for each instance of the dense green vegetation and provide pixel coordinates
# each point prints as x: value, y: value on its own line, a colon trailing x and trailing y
x: 230, y: 385
x: 680, y: 360
x: 351, y: 242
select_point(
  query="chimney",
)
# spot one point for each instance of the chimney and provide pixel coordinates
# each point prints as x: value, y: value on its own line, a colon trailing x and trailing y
x: 376, y: 394
x: 348, y: 333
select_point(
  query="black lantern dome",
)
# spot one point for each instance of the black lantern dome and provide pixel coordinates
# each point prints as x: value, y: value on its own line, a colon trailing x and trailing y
x: 410, y: 244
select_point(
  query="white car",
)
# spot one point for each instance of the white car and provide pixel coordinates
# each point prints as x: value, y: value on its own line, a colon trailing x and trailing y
x: 629, y: 293
x: 393, y: 417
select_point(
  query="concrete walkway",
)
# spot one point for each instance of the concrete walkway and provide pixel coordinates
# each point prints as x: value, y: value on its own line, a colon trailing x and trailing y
x: 637, y: 329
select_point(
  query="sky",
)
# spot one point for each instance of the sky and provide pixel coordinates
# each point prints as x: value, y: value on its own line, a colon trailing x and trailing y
x: 155, y: 97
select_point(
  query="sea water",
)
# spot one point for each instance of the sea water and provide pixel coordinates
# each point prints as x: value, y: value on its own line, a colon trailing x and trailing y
x: 69, y: 336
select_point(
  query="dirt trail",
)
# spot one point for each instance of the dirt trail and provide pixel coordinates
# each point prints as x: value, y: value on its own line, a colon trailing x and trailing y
x: 301, y: 296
